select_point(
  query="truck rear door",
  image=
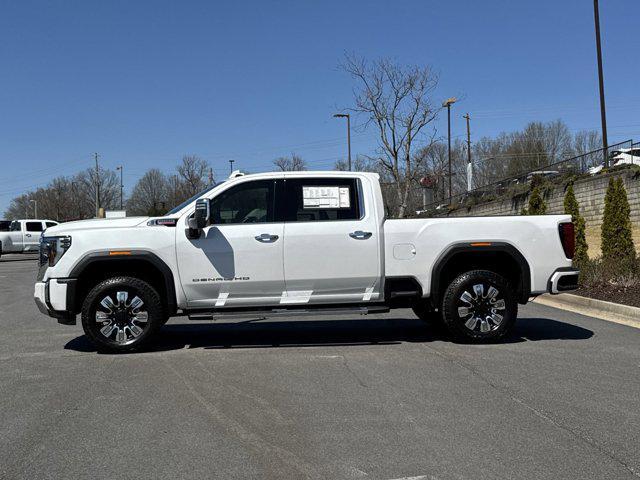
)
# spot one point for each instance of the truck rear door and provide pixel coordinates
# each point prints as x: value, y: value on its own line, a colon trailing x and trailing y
x: 331, y: 242
x: 31, y: 234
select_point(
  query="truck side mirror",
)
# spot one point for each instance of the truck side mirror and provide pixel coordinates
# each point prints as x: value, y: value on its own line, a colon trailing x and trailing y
x: 203, y: 213
x: 200, y: 219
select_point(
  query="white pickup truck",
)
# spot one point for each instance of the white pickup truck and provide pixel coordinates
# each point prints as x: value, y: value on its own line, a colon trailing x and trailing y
x: 23, y: 235
x: 296, y: 242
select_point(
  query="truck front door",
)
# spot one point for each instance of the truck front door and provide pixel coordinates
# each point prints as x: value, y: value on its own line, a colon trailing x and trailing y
x: 237, y: 261
x: 331, y: 242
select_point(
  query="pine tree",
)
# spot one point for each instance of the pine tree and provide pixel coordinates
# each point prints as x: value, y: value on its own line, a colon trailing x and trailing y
x: 572, y: 208
x: 537, y: 206
x: 617, y: 241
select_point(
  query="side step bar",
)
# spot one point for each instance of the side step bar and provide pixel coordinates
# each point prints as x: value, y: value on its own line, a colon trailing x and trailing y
x: 281, y: 312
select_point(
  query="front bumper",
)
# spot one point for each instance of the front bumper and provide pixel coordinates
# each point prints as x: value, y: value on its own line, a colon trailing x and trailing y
x: 563, y: 280
x: 55, y: 297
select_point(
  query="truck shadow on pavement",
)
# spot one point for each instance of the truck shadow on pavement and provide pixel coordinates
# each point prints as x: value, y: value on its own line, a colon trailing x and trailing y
x: 283, y: 334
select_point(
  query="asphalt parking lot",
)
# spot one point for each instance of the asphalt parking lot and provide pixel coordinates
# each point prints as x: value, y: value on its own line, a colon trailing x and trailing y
x: 365, y: 397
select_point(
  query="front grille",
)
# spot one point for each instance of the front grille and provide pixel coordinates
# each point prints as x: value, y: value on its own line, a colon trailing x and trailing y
x: 41, y: 271
x: 43, y: 261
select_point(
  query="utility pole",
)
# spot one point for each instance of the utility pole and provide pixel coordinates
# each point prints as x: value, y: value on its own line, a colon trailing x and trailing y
x: 447, y: 103
x: 95, y: 156
x: 175, y: 190
x: 35, y: 208
x: 210, y: 176
x: 75, y: 201
x: 603, y: 113
x: 121, y: 185
x: 469, y: 165
x: 231, y: 166
x: 348, y: 117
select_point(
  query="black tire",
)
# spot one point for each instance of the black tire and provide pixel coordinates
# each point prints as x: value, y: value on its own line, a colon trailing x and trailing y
x: 122, y: 328
x: 491, y: 311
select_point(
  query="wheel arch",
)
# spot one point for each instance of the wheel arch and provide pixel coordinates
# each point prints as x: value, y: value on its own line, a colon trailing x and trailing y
x: 97, y: 266
x: 499, y: 257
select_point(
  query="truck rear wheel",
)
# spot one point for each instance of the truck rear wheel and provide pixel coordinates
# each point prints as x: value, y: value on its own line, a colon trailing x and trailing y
x: 479, y: 306
x: 121, y: 314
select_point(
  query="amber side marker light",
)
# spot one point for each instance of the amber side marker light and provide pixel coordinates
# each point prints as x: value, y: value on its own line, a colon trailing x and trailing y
x: 120, y: 253
x: 481, y: 244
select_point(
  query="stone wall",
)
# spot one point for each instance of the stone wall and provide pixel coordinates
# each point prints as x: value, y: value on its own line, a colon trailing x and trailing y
x: 590, y: 193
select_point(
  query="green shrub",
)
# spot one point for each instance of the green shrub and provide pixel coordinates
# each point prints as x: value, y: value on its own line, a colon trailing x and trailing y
x: 599, y: 273
x: 537, y: 206
x: 617, y: 241
x: 572, y: 208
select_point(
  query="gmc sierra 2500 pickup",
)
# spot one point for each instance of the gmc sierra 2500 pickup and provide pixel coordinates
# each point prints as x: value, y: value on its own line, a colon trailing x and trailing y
x: 296, y: 242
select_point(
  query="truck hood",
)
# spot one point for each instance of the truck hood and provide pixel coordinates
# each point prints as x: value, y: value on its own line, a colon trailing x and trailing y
x: 93, y: 224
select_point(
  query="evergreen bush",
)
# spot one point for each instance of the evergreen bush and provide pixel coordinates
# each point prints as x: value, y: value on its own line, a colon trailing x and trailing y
x: 572, y: 208
x: 617, y: 241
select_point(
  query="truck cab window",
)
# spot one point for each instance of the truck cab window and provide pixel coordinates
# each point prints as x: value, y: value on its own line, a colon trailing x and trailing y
x: 34, y: 227
x: 15, y: 226
x: 322, y: 199
x: 250, y: 202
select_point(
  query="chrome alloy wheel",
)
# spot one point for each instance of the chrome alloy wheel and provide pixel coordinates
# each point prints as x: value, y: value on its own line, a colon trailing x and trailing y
x: 122, y: 321
x: 481, y: 312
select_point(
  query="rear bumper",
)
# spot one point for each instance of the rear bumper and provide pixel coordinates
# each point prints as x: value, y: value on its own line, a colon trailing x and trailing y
x: 563, y: 280
x: 55, y: 297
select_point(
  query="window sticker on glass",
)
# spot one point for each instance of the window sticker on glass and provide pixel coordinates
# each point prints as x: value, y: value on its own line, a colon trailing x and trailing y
x: 325, y: 197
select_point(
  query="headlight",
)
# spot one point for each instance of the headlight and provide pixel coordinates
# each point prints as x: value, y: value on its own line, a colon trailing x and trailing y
x: 52, y: 249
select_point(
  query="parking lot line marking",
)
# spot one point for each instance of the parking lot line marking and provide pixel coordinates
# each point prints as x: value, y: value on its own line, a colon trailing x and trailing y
x: 419, y: 477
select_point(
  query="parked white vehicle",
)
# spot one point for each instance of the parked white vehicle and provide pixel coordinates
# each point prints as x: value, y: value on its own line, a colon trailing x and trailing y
x: 23, y: 235
x: 623, y: 156
x: 296, y: 242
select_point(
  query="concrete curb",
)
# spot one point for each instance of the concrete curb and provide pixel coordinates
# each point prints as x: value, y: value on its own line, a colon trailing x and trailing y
x: 611, y: 312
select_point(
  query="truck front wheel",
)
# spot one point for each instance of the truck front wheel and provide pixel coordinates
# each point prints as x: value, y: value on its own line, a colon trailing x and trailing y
x: 121, y: 314
x: 479, y: 306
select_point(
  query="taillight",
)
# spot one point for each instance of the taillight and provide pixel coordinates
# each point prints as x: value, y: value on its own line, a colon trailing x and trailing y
x: 568, y: 238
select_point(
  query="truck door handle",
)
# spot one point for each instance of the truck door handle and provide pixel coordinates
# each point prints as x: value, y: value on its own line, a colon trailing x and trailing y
x: 360, y: 235
x: 27, y: 234
x: 266, y: 238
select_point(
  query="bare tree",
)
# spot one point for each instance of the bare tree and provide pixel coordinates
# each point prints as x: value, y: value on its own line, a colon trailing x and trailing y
x: 290, y: 164
x: 359, y: 164
x: 395, y: 99
x: 586, y: 141
x: 192, y: 176
x: 150, y: 195
x: 85, y: 187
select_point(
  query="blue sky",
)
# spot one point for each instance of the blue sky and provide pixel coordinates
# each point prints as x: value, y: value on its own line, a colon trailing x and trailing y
x: 144, y: 82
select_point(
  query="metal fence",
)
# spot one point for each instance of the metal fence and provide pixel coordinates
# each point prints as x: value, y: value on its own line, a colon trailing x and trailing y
x: 590, y: 163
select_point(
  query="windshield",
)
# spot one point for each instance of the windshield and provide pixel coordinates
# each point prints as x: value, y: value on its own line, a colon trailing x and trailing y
x: 176, y: 209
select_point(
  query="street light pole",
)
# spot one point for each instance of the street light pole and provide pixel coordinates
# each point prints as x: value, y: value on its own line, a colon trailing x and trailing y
x: 348, y: 117
x: 469, y: 166
x: 447, y: 103
x: 603, y: 113
x: 121, y: 185
x: 95, y: 156
x: 231, y: 166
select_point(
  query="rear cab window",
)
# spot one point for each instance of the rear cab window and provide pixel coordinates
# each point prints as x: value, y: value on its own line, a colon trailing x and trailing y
x: 34, y: 227
x: 322, y: 199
